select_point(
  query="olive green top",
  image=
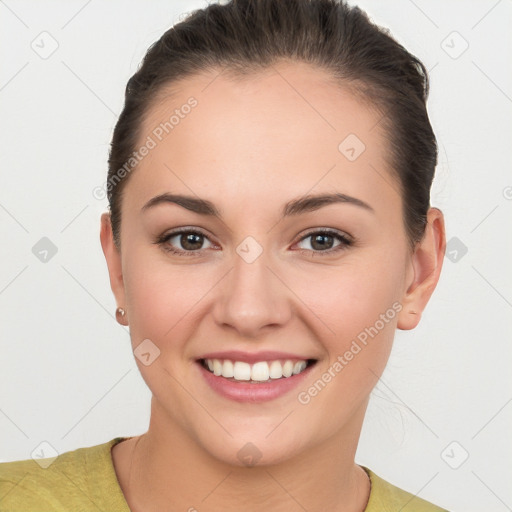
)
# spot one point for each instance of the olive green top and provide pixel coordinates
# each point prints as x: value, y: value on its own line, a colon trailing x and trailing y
x: 85, y: 480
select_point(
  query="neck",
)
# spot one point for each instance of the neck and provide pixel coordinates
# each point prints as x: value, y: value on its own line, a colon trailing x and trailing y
x: 170, y: 471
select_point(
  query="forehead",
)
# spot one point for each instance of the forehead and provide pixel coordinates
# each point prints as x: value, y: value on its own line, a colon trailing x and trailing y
x: 285, y: 131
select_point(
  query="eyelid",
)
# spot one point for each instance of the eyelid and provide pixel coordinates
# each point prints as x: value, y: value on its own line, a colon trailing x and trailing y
x: 328, y: 231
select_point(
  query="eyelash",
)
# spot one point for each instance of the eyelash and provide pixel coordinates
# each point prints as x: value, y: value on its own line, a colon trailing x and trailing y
x: 345, y: 242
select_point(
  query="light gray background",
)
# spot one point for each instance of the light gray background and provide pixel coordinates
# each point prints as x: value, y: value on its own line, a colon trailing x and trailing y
x: 67, y: 374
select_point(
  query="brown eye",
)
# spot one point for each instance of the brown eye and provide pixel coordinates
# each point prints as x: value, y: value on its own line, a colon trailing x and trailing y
x: 325, y: 241
x: 185, y: 242
x: 190, y: 241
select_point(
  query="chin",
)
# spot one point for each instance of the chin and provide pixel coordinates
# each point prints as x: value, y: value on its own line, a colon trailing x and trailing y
x: 248, y: 454
x: 251, y: 448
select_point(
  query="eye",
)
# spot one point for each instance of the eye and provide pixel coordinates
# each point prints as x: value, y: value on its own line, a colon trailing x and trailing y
x: 190, y: 240
x: 323, y: 242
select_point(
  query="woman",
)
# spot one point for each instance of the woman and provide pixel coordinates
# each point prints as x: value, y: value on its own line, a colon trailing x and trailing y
x: 269, y: 229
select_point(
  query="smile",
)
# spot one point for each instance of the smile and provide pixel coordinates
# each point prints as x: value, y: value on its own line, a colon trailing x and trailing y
x: 261, y: 371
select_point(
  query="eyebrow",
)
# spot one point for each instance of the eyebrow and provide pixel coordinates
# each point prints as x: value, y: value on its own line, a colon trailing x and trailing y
x: 297, y: 206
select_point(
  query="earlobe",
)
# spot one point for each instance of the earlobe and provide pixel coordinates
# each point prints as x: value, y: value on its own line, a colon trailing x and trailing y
x: 426, y: 263
x: 113, y: 258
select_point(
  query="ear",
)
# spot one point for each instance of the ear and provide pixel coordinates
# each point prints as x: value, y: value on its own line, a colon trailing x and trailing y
x: 113, y: 257
x: 424, y: 271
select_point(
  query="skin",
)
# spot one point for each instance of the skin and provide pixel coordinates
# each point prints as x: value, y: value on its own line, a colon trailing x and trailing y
x: 250, y: 146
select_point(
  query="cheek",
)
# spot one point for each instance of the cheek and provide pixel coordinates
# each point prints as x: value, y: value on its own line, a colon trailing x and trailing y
x: 360, y: 304
x: 354, y: 295
x: 164, y: 302
x: 163, y: 298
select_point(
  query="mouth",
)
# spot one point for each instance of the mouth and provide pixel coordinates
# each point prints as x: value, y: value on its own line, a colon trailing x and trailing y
x: 259, y: 372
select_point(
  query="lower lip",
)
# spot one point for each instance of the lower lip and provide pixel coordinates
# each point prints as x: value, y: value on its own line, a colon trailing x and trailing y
x: 243, y: 391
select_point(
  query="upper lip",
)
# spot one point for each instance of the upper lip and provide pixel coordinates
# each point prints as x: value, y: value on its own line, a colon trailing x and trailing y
x: 247, y: 357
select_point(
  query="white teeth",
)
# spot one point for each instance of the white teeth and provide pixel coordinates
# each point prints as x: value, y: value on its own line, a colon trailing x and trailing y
x: 299, y: 367
x: 227, y: 369
x: 217, y: 367
x: 287, y: 369
x: 276, y: 370
x: 242, y: 371
x: 261, y: 371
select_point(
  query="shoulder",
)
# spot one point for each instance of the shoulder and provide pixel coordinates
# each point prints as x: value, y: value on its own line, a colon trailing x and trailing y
x: 82, y: 479
x: 385, y: 497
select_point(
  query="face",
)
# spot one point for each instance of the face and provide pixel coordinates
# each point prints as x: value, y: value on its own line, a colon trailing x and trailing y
x: 271, y: 275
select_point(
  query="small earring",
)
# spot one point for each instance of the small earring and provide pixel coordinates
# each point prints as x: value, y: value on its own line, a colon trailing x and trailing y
x: 120, y: 316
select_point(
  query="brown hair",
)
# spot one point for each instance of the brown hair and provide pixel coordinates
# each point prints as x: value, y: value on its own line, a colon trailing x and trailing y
x: 246, y: 35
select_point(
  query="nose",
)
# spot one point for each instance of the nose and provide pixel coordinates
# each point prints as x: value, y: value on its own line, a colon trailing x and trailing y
x: 252, y: 298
